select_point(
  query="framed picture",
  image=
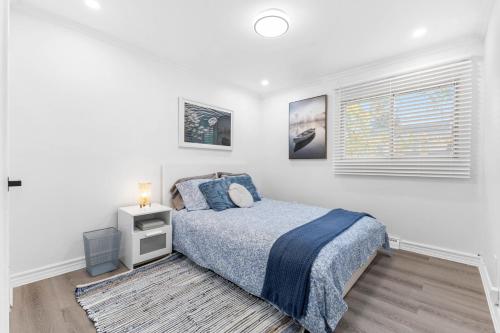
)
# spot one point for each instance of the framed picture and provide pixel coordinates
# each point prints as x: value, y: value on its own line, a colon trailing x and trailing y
x: 204, y: 126
x: 307, y: 128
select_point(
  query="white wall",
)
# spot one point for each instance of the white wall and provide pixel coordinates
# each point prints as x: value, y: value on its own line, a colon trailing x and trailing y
x: 89, y: 120
x: 444, y: 213
x: 492, y: 142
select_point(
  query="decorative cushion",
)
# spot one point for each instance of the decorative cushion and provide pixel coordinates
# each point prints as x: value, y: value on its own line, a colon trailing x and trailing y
x: 216, y: 194
x: 191, y: 195
x: 247, y: 182
x: 240, y: 195
x: 177, y: 201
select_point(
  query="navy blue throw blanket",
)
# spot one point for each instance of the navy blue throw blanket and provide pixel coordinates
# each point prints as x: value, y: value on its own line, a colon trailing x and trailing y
x: 292, y: 255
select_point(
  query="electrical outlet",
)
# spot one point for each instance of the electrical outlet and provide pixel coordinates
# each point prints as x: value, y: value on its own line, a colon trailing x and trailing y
x: 394, y: 242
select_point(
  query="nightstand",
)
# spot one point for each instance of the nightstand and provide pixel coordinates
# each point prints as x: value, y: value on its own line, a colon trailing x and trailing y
x: 139, y: 246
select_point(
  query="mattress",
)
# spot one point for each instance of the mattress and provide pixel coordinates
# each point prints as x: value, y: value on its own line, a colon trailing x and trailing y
x: 235, y: 243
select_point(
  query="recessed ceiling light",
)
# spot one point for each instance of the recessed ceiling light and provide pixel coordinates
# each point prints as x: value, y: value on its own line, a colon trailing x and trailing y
x: 419, y: 32
x: 271, y: 23
x: 93, y: 4
x: 264, y: 82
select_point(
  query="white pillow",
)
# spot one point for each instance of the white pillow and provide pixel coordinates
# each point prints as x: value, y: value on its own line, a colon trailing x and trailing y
x: 240, y: 195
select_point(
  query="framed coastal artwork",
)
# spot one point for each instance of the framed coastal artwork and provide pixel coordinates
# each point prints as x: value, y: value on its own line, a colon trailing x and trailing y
x: 307, y: 128
x: 204, y: 126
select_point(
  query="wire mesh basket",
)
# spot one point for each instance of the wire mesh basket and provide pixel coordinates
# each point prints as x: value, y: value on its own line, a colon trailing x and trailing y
x: 102, y: 250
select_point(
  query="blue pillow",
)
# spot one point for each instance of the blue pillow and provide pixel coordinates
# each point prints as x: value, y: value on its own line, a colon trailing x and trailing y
x: 247, y: 182
x: 216, y: 195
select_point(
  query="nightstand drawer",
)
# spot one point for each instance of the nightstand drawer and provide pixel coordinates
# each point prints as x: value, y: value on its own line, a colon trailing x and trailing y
x: 151, y: 244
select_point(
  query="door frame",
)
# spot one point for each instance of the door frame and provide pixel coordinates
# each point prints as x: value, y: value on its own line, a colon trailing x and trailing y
x: 4, y: 216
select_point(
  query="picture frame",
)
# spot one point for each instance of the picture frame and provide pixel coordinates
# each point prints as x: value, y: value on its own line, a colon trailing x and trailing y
x: 307, y: 128
x: 205, y: 126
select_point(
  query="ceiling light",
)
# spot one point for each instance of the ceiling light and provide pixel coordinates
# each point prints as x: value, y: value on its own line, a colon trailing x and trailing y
x: 419, y: 32
x: 264, y: 82
x: 271, y: 23
x: 93, y: 4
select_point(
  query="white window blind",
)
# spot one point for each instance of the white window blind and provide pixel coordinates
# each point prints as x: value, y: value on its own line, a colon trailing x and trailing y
x: 416, y: 124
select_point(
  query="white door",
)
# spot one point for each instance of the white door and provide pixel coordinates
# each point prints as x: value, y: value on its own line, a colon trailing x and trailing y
x: 4, y: 227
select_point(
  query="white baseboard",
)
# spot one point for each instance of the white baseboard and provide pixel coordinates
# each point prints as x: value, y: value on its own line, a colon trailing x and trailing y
x: 46, y: 272
x: 439, y: 252
x: 490, y: 291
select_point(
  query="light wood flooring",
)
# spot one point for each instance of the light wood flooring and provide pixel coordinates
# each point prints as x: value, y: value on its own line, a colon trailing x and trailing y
x: 403, y: 293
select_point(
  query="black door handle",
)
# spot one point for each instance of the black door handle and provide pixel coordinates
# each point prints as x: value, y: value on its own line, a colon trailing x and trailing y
x: 13, y: 183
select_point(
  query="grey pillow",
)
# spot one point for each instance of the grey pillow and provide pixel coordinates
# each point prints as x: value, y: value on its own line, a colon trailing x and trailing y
x: 224, y: 174
x: 191, y: 195
x: 177, y: 201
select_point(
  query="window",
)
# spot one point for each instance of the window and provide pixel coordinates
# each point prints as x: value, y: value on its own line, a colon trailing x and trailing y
x: 417, y: 124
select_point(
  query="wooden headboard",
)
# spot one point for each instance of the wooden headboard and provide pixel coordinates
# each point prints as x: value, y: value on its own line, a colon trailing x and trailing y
x: 170, y: 172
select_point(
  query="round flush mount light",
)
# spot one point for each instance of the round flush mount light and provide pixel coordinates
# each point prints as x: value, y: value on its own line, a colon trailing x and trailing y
x: 419, y: 32
x: 93, y: 4
x: 264, y: 82
x: 271, y: 23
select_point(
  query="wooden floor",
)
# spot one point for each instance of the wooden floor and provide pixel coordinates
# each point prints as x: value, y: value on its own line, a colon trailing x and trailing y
x: 403, y: 293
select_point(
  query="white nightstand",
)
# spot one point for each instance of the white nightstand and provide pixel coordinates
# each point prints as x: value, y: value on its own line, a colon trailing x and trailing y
x: 139, y: 246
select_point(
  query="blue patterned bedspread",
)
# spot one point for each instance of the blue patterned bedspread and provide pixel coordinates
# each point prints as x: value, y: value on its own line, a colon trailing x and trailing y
x: 235, y: 243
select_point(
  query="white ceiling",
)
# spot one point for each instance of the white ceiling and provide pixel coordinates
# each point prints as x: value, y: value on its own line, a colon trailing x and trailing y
x: 216, y: 37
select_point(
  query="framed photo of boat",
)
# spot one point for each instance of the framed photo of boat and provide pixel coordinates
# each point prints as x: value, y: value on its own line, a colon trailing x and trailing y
x: 307, y: 128
x: 204, y: 126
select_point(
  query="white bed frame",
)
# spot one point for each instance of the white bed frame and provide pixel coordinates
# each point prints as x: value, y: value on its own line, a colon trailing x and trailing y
x: 173, y: 171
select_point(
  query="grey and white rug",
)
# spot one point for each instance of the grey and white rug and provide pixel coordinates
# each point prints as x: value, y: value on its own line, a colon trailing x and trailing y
x: 176, y: 295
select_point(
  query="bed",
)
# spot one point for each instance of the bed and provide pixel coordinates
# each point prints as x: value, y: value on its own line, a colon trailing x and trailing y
x: 235, y: 243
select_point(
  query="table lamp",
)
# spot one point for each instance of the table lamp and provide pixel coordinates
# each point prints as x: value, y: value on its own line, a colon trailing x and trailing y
x: 144, y: 194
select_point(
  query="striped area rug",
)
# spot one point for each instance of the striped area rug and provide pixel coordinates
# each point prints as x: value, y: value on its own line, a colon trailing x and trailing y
x: 176, y: 295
